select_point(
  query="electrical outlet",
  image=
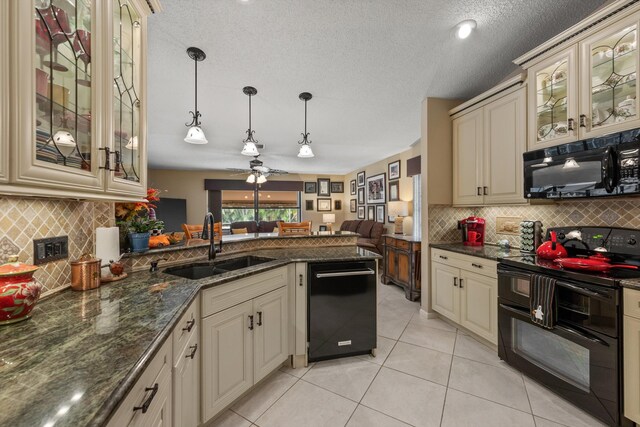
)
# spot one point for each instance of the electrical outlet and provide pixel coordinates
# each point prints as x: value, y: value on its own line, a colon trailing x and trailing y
x: 50, y: 249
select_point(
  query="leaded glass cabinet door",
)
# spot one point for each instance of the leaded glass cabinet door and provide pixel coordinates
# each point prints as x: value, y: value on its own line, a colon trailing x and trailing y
x: 608, y: 69
x: 128, y: 124
x: 553, y: 100
x: 56, y: 67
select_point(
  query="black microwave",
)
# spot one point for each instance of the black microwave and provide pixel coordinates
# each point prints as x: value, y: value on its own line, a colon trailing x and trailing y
x: 597, y: 167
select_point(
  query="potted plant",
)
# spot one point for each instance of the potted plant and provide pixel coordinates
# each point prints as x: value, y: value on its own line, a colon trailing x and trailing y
x: 140, y: 227
x: 132, y: 218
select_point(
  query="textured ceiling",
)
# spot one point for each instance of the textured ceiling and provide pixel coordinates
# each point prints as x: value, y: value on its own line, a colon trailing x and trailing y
x: 368, y: 64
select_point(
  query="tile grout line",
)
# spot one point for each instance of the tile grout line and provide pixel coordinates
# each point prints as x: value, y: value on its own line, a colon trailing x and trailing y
x: 446, y: 391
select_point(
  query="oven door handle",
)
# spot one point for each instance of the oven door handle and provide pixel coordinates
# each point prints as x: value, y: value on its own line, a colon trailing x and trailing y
x: 520, y: 311
x: 582, y: 335
x: 512, y: 273
x: 580, y: 290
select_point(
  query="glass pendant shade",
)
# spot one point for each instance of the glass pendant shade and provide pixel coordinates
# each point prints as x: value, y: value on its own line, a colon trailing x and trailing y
x: 305, y: 152
x: 261, y: 179
x: 65, y: 142
x: 251, y: 179
x: 250, y: 149
x: 195, y: 135
x: 132, y: 144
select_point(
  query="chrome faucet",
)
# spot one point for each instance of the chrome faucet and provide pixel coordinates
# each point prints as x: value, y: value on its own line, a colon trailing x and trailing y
x: 208, y: 223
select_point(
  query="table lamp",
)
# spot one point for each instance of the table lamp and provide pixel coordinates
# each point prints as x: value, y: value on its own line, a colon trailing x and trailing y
x: 399, y: 209
x: 329, y: 219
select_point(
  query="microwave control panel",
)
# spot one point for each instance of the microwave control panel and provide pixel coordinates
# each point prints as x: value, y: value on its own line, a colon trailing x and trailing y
x: 629, y: 162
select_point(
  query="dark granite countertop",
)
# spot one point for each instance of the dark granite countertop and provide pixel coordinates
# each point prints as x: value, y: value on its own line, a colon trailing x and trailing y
x: 74, y: 361
x: 631, y: 284
x: 491, y: 252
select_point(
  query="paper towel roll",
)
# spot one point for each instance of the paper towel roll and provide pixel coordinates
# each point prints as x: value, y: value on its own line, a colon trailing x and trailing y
x: 107, y: 246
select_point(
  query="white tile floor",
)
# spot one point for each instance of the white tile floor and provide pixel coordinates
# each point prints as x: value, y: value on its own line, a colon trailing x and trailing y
x: 426, y: 373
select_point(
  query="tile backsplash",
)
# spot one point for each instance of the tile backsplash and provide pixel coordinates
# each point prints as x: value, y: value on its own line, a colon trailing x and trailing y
x: 613, y: 212
x: 24, y: 219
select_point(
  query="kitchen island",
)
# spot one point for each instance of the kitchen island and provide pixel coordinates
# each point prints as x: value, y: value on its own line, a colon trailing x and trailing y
x: 75, y: 361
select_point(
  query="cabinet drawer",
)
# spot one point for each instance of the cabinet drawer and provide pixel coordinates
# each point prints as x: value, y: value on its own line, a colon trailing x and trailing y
x: 631, y: 303
x: 403, y: 244
x: 224, y: 296
x: 157, y: 376
x: 390, y: 241
x: 185, y: 328
x: 474, y: 264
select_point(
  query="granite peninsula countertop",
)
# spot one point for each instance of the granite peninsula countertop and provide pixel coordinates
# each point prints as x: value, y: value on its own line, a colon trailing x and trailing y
x: 631, y: 284
x: 74, y: 361
x: 491, y: 252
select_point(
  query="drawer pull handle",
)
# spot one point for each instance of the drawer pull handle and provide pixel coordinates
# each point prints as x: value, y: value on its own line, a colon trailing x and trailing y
x: 479, y: 191
x: 455, y: 282
x: 147, y: 403
x: 486, y: 191
x: 476, y: 265
x: 193, y: 348
x: 190, y: 325
x: 301, y: 281
x: 443, y: 257
x: 461, y: 283
x: 251, y: 322
x: 259, y: 319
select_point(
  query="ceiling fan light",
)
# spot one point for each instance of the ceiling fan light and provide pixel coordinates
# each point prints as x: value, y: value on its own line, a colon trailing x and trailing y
x: 132, y: 144
x: 251, y: 179
x: 250, y: 149
x: 195, y: 135
x: 305, y: 152
x: 261, y: 179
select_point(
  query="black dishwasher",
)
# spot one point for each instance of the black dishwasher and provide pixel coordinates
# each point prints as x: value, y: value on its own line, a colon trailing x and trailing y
x: 341, y: 309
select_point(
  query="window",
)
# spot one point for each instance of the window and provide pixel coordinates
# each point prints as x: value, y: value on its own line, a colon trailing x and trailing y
x: 238, y: 205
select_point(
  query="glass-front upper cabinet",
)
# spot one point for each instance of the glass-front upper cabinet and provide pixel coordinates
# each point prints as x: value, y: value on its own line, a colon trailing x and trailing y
x: 128, y: 136
x: 56, y: 81
x: 553, y: 100
x: 608, y: 69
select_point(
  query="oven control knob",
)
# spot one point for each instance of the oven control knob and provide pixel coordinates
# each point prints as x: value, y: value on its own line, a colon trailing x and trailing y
x: 631, y: 241
x: 561, y: 236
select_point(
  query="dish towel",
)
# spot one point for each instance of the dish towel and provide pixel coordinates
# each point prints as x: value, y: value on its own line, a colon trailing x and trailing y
x: 542, y: 300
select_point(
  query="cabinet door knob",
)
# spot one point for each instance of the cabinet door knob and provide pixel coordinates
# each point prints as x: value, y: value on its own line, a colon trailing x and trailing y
x: 583, y: 121
x: 476, y: 265
x: 259, y: 319
x: 190, y: 325
x: 193, y: 348
x: 443, y: 257
x: 570, y: 125
x: 251, y: 322
x: 147, y: 403
x: 479, y: 192
x: 486, y: 191
x: 455, y: 282
x: 461, y: 283
x: 301, y: 281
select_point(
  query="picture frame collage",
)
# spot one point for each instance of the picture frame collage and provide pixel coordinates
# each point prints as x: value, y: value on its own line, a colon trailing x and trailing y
x: 323, y: 188
x: 373, y: 192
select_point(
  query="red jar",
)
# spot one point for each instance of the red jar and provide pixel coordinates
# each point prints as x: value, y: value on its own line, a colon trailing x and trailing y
x: 19, y: 291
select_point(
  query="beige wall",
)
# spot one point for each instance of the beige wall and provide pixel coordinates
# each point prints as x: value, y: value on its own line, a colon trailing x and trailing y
x: 406, y: 183
x: 189, y: 185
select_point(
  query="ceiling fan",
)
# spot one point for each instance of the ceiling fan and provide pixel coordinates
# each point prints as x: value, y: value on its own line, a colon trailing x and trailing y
x: 257, y: 171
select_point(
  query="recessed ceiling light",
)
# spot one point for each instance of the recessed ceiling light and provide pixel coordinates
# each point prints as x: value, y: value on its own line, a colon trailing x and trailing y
x: 465, y: 28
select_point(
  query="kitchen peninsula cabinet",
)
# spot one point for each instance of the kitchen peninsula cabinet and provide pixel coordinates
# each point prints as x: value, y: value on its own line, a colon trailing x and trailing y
x: 489, y: 137
x: 586, y: 86
x: 464, y: 289
x: 631, y: 326
x: 244, y: 336
x: 78, y: 123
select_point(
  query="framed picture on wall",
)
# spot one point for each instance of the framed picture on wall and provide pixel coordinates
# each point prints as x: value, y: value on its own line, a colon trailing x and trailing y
x: 352, y: 206
x: 394, y: 191
x: 360, y: 212
x: 380, y: 217
x: 310, y: 187
x: 371, y: 213
x: 353, y: 187
x: 324, y: 205
x: 337, y: 187
x: 394, y: 170
x: 376, y: 189
x: 324, y: 187
x: 308, y: 204
x: 360, y: 178
x: 361, y: 196
x: 337, y: 205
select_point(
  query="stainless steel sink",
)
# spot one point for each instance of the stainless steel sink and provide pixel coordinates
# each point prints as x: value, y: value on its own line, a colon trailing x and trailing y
x: 205, y: 269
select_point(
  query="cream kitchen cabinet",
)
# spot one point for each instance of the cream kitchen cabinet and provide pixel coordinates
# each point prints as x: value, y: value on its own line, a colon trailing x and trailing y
x: 4, y: 92
x: 586, y: 88
x: 464, y: 289
x: 245, y: 336
x: 631, y: 344
x: 488, y: 143
x: 77, y: 123
x: 186, y: 368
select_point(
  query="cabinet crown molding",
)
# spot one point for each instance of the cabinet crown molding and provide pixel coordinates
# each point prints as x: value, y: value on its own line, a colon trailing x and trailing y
x: 500, y: 89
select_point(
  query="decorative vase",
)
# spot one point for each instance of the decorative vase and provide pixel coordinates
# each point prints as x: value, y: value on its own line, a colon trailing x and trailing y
x: 139, y: 241
x: 19, y: 291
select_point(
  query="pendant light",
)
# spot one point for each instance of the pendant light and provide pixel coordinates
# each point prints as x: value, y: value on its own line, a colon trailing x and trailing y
x: 305, y: 149
x: 250, y: 148
x: 195, y: 135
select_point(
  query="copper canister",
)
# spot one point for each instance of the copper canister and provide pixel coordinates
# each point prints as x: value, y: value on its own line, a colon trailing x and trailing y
x: 85, y: 273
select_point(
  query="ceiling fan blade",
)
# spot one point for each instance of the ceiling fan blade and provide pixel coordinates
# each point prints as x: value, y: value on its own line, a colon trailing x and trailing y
x: 239, y: 170
x: 277, y: 172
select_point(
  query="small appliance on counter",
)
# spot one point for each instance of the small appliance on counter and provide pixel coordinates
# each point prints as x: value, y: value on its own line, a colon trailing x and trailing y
x: 472, y: 231
x: 530, y: 235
